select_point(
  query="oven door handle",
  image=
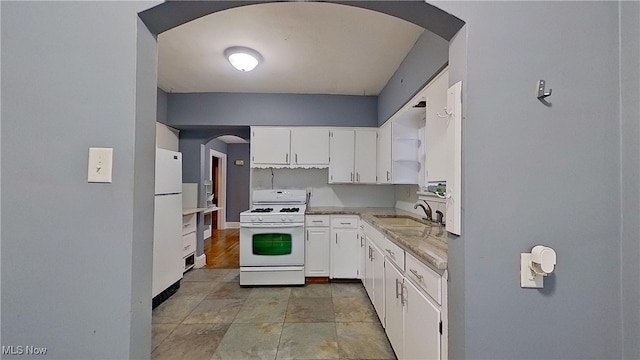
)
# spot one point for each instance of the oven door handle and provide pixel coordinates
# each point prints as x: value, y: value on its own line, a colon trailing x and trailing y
x: 263, y: 226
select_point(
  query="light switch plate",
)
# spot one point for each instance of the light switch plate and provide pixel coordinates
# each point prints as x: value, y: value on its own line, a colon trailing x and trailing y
x: 100, y: 165
x: 527, y: 280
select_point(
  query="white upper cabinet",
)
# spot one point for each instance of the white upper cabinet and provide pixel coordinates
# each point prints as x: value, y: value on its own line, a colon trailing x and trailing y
x: 437, y: 119
x: 270, y: 145
x: 365, y: 156
x: 341, y: 150
x: 352, y: 156
x: 310, y: 146
x: 383, y: 158
x: 289, y: 147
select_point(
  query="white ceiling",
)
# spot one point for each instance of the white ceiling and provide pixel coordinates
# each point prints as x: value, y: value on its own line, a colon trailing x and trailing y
x: 308, y: 48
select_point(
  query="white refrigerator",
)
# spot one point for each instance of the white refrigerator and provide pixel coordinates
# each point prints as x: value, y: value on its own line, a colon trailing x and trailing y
x: 167, y: 230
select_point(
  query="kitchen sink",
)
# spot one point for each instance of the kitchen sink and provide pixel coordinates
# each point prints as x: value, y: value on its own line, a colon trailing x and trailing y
x: 399, y: 221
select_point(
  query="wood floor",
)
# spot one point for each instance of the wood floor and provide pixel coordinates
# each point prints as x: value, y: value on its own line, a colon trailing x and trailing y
x: 223, y: 249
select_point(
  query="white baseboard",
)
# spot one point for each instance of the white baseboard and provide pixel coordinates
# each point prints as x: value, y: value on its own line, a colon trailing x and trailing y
x: 232, y: 225
x: 206, y: 233
x: 201, y: 261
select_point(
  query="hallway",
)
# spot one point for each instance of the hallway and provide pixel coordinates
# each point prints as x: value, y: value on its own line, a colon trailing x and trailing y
x: 223, y: 249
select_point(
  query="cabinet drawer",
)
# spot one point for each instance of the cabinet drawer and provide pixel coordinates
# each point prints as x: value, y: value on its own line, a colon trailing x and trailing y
x: 345, y: 222
x: 188, y: 244
x: 394, y: 253
x: 317, y: 220
x: 425, y: 278
x: 188, y: 223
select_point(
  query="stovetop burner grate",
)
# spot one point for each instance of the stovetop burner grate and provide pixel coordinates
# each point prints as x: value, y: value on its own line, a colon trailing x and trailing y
x: 262, y: 210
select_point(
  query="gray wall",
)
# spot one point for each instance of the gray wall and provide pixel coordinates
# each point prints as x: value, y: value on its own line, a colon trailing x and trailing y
x: 143, y: 192
x: 630, y: 149
x: 531, y: 175
x: 237, y: 181
x: 271, y: 109
x: 76, y: 267
x: 457, y: 263
x: 428, y: 55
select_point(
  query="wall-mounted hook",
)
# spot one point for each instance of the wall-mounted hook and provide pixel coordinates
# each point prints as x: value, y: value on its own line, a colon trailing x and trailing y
x: 541, y: 92
x: 447, y: 113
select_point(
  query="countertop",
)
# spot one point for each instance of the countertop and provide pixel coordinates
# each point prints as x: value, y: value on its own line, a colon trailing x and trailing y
x: 427, y: 243
x: 192, y: 211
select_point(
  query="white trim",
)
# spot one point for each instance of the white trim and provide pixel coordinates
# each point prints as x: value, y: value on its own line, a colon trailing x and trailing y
x: 201, y: 261
x: 207, y: 232
x: 221, y: 192
x: 232, y: 225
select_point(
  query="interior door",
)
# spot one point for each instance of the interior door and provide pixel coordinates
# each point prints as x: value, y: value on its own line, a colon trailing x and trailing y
x: 215, y: 179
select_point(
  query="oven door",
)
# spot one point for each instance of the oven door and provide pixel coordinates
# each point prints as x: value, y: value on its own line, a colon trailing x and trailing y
x: 271, y: 244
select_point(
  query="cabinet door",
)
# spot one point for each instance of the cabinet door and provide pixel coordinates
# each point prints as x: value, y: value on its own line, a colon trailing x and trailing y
x: 437, y: 144
x: 317, y: 251
x: 454, y: 162
x: 363, y: 253
x: 344, y: 254
x: 383, y: 150
x: 341, y: 150
x: 422, y: 326
x: 378, y: 283
x: 365, y: 156
x: 309, y: 146
x: 368, y: 269
x: 394, y: 309
x: 270, y: 145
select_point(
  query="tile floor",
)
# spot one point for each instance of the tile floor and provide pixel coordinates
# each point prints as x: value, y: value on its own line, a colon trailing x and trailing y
x: 212, y: 317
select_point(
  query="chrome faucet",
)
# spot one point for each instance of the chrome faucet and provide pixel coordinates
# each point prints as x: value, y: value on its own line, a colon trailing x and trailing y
x: 427, y: 210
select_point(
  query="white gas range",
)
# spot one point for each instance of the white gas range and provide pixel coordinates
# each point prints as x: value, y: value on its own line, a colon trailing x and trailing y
x: 272, y: 238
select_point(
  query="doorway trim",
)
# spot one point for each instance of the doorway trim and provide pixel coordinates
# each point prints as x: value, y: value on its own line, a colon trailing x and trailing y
x: 221, y: 191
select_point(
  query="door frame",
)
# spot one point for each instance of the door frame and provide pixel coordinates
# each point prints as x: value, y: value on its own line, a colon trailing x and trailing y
x: 221, y: 191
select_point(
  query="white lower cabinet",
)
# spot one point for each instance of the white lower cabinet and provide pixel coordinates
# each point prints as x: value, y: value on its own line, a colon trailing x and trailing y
x: 394, y: 308
x: 408, y: 303
x: 189, y: 240
x: 412, y: 319
x: 363, y: 251
x: 374, y: 277
x: 345, y: 247
x: 422, y: 325
x: 317, y: 249
x: 368, y: 268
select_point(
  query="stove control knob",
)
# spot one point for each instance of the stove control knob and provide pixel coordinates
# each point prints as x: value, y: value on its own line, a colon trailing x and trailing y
x: 283, y: 218
x: 259, y: 218
x: 290, y: 219
x: 253, y: 219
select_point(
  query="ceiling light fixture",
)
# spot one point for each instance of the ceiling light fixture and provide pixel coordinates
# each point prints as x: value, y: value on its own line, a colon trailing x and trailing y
x: 243, y: 58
